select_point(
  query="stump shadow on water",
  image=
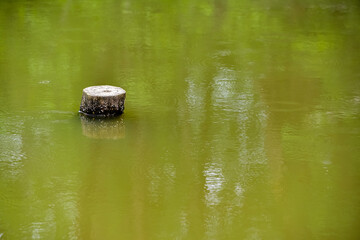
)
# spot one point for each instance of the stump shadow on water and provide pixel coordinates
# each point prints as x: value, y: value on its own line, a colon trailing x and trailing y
x: 103, y: 128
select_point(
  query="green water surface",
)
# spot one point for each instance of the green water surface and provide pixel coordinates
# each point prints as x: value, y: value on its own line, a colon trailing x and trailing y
x: 242, y: 120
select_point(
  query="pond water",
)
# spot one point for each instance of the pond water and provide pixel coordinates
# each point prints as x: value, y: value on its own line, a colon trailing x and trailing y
x: 241, y: 120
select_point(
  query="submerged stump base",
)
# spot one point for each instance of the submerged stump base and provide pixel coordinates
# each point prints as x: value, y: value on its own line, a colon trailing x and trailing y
x: 103, y: 101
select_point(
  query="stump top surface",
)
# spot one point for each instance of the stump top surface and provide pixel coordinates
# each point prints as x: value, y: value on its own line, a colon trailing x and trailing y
x: 104, y: 91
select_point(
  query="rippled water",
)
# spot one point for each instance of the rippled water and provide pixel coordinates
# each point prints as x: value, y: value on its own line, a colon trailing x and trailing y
x: 241, y: 120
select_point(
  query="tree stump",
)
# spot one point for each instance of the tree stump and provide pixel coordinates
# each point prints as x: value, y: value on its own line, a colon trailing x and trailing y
x: 103, y: 101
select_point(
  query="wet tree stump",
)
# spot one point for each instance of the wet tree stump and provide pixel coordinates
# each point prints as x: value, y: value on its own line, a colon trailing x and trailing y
x: 103, y: 101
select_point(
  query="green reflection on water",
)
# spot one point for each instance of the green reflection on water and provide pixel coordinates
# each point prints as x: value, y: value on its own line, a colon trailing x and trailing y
x: 242, y: 120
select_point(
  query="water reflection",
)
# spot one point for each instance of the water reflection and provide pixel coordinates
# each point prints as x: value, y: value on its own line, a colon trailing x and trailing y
x: 103, y: 128
x: 11, y: 155
x: 214, y: 181
x: 242, y: 120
